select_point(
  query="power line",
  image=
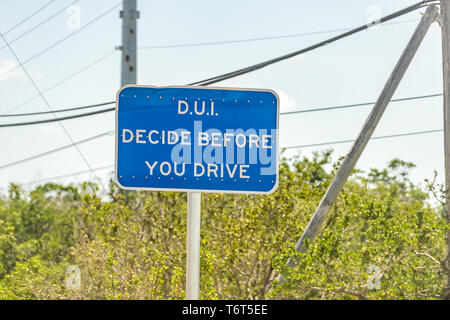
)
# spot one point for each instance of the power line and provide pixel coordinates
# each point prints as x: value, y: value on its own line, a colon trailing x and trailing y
x: 301, y: 146
x: 352, y: 140
x: 113, y: 102
x: 275, y: 60
x: 358, y: 104
x: 285, y: 36
x: 60, y: 82
x: 48, y: 106
x: 28, y: 17
x: 61, y: 40
x: 206, y: 43
x: 57, y: 111
x: 69, y: 174
x: 266, y: 63
x: 292, y: 147
x: 234, y: 74
x: 39, y: 24
x: 46, y: 153
x: 107, y: 133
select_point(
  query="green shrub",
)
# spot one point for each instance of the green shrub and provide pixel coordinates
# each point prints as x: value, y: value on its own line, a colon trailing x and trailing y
x: 132, y: 246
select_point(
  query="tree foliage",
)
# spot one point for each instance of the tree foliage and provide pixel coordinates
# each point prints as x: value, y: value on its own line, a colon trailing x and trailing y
x: 384, y: 239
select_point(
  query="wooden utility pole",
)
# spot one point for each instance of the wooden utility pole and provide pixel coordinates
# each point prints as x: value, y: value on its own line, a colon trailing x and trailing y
x: 445, y: 25
x: 352, y: 157
x: 129, y: 15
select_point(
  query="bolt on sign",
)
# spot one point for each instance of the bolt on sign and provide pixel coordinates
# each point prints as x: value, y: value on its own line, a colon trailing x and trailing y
x: 197, y: 139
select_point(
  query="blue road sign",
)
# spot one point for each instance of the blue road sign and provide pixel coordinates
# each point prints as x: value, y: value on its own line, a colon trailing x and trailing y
x: 199, y: 139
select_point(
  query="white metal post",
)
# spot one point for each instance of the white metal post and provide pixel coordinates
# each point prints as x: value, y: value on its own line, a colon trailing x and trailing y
x: 193, y: 246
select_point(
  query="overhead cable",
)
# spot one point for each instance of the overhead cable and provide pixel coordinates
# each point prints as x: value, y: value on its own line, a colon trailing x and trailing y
x: 61, y: 40
x: 292, y: 147
x: 352, y: 140
x: 283, y: 36
x: 46, y: 153
x: 266, y: 63
x: 28, y: 17
x: 20, y: 63
x: 11, y: 41
x: 113, y: 109
x: 60, y: 82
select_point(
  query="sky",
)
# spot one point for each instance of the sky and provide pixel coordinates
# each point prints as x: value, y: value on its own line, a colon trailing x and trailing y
x: 349, y: 71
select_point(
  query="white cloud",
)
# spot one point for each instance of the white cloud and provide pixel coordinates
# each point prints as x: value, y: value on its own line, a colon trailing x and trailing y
x: 5, y: 66
x: 287, y: 103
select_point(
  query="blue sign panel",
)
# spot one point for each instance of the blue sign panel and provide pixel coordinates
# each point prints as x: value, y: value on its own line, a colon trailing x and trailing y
x: 200, y: 139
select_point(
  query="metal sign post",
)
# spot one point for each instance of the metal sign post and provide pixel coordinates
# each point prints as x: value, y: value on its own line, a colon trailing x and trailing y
x: 196, y: 139
x: 193, y: 245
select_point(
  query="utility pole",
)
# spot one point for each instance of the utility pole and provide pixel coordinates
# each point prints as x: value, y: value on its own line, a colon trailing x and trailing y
x: 129, y: 15
x: 369, y: 127
x: 445, y: 26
